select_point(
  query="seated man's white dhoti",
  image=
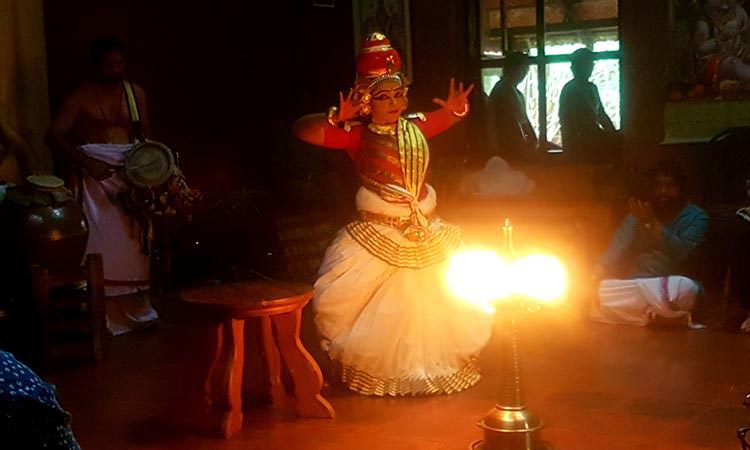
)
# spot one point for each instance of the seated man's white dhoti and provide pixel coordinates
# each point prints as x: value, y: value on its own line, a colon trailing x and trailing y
x: 638, y: 301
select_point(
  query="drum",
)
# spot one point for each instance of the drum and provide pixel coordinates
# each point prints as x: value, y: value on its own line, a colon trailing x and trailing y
x: 149, y: 164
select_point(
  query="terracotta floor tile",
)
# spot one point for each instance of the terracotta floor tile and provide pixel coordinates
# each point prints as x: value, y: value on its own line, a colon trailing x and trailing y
x: 596, y: 401
x: 596, y: 387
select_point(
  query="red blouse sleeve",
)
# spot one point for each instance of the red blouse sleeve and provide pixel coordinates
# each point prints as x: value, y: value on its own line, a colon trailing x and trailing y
x: 436, y: 122
x: 340, y: 139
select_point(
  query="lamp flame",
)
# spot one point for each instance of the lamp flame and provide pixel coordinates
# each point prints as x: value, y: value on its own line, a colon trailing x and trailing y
x: 478, y: 277
x: 539, y: 277
x: 482, y: 278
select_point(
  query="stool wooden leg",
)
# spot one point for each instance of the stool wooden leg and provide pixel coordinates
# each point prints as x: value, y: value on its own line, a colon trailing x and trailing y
x: 213, y: 385
x: 40, y: 291
x: 95, y: 292
x: 226, y: 401
x: 207, y: 343
x: 272, y: 360
x: 304, y: 370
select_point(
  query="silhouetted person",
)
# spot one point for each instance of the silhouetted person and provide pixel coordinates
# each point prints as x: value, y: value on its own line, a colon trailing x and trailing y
x: 587, y: 131
x: 516, y: 138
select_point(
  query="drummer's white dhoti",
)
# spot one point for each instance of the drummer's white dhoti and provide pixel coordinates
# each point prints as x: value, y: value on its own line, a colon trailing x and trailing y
x: 118, y: 237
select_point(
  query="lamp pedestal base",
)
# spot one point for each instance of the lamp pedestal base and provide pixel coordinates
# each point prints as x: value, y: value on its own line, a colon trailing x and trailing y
x: 510, y: 428
x: 480, y: 445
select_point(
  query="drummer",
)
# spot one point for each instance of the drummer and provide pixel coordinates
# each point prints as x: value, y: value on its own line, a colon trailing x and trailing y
x: 92, y: 133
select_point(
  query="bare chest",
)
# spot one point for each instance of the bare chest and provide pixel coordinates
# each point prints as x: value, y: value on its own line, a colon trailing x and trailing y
x: 105, y: 119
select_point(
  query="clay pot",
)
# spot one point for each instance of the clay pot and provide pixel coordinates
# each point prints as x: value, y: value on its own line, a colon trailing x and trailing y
x: 49, y: 226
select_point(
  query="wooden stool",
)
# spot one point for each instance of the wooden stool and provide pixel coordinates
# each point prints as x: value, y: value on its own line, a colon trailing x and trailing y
x: 217, y: 366
x: 44, y: 281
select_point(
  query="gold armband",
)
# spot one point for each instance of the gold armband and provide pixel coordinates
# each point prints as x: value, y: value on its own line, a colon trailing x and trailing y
x: 333, y: 119
x: 333, y: 116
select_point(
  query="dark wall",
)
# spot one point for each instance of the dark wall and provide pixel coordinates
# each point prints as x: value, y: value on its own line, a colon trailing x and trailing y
x: 645, y: 38
x: 224, y: 81
x: 643, y: 90
x: 221, y: 80
x: 440, y: 52
x: 439, y: 49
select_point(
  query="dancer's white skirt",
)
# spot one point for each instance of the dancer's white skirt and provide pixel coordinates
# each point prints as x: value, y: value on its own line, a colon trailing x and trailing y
x: 395, y: 331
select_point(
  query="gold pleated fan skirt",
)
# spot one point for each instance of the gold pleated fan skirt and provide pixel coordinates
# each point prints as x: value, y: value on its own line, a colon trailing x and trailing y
x: 366, y: 384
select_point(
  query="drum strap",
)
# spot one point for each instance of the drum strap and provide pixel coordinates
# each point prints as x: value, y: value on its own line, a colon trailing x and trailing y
x: 135, y: 117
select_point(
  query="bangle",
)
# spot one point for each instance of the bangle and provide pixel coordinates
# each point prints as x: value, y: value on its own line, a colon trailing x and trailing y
x: 333, y: 119
x: 462, y: 113
x: 333, y: 116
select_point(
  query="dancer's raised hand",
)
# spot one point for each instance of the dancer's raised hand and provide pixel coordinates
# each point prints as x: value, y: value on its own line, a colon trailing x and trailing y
x: 348, y: 109
x: 457, y: 101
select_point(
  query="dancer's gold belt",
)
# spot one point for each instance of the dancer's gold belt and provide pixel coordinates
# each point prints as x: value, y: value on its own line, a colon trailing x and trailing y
x: 434, y: 248
x: 398, y: 222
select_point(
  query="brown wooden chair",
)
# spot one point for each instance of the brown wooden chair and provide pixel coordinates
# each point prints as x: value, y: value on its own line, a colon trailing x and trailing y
x: 64, y: 313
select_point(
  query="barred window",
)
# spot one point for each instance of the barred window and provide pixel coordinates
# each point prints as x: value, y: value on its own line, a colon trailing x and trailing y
x: 549, y: 31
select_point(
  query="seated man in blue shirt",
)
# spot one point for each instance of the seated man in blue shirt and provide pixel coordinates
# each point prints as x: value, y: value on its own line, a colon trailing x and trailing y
x: 649, y: 253
x: 659, y: 235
